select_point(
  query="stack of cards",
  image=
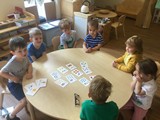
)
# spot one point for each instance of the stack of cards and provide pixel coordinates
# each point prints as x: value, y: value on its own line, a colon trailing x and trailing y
x: 85, y: 67
x: 32, y: 88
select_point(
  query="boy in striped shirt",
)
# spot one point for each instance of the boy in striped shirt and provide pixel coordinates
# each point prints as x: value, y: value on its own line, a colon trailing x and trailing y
x: 93, y: 41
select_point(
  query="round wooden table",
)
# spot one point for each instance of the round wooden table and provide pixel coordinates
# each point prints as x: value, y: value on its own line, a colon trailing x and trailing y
x: 58, y: 102
x: 110, y: 14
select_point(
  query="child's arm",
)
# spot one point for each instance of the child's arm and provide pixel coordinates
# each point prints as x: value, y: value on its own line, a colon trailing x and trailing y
x: 96, y: 47
x: 129, y: 67
x: 33, y: 58
x: 29, y: 72
x: 138, y: 88
x: 85, y: 47
x: 65, y: 46
x: 75, y: 44
x: 9, y: 76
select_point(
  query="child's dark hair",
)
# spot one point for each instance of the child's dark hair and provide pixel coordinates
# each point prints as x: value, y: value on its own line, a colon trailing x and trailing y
x: 94, y: 23
x: 17, y: 42
x: 148, y: 66
x: 65, y: 24
x: 100, y: 89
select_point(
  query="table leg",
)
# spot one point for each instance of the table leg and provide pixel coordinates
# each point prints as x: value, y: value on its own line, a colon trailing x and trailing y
x: 31, y: 111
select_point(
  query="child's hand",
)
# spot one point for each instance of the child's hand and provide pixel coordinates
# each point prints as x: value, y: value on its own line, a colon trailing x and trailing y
x: 15, y: 79
x: 29, y: 76
x: 114, y: 64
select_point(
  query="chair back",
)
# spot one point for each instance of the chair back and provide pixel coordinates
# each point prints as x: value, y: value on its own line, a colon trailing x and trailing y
x: 3, y: 81
x: 121, y: 20
x: 55, y: 42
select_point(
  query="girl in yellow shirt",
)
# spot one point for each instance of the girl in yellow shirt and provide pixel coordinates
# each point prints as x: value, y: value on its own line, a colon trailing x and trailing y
x: 134, y: 53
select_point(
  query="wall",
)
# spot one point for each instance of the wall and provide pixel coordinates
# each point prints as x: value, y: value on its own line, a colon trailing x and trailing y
x: 7, y: 7
x: 106, y: 3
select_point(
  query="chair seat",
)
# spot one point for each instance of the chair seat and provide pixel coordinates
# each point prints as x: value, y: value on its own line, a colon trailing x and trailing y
x: 116, y: 24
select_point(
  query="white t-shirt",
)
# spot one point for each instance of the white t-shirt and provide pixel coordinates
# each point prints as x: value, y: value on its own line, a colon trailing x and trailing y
x: 145, y: 101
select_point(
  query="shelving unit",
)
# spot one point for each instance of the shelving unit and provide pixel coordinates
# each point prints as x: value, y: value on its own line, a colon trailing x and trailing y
x: 9, y: 29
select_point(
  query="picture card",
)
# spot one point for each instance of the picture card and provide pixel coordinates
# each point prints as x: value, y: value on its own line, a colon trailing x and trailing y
x: 61, y: 82
x: 86, y: 70
x: 31, y: 88
x: 62, y: 69
x: 83, y: 64
x: 77, y: 72
x: 91, y: 77
x: 42, y: 82
x: 84, y: 81
x: 71, y: 66
x: 56, y: 75
x: 71, y: 78
x: 77, y: 99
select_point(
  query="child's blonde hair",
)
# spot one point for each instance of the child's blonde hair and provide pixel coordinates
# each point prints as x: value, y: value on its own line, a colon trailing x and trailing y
x: 65, y: 24
x: 94, y: 23
x: 34, y: 31
x: 100, y: 89
x: 136, y: 42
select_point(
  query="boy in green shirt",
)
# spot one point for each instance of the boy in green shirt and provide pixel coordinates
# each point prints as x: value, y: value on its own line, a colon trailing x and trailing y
x: 98, y: 108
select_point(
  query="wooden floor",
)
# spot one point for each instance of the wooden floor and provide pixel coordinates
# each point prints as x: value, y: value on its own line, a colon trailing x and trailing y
x: 151, y: 40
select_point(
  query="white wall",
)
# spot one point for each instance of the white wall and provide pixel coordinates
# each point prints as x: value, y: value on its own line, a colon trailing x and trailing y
x: 8, y: 6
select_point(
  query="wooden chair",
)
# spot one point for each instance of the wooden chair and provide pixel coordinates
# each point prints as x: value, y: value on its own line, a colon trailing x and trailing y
x: 55, y: 42
x: 3, y: 84
x: 118, y: 24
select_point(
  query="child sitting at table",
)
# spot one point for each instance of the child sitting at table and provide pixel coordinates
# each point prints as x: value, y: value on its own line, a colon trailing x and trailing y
x: 133, y: 54
x: 98, y: 108
x: 16, y: 68
x: 36, y: 48
x: 69, y: 38
x: 144, y: 88
x: 93, y: 41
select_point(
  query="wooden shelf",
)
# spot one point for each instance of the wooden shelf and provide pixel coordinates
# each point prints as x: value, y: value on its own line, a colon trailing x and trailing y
x: 9, y: 29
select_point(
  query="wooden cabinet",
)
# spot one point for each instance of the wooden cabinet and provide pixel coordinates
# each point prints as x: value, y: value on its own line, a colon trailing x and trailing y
x: 14, y: 27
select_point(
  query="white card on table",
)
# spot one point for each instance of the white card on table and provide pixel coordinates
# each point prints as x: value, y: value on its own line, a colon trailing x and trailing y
x: 91, y: 77
x: 62, y: 69
x: 71, y: 66
x: 55, y: 75
x: 61, y: 82
x: 42, y: 82
x: 77, y: 72
x: 71, y: 78
x: 84, y: 81
x: 31, y: 88
x: 83, y: 64
x: 86, y: 70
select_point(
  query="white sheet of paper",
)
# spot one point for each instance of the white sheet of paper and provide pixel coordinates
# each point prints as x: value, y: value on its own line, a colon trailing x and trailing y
x: 71, y: 78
